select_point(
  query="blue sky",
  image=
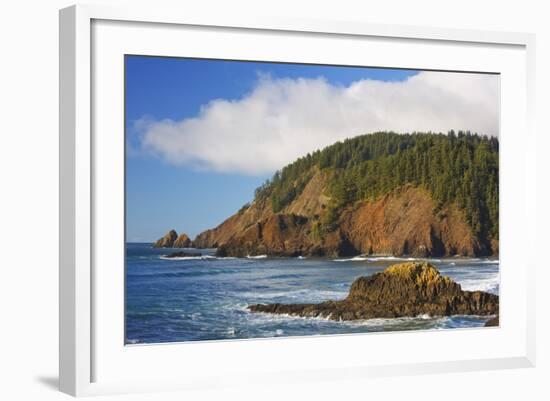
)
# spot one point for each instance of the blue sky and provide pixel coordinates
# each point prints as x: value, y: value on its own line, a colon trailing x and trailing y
x: 203, y: 134
x: 160, y: 195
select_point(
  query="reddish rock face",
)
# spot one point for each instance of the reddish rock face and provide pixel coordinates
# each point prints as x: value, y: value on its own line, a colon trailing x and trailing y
x: 280, y: 235
x: 402, y: 222
x: 405, y: 222
x: 407, y: 289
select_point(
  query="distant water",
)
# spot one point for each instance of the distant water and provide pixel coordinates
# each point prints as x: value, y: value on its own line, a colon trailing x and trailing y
x: 205, y: 298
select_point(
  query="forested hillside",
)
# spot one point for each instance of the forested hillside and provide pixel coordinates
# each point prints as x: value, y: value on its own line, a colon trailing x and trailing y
x: 457, y: 168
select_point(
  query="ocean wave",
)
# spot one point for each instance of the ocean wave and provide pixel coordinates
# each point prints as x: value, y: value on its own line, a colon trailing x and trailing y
x: 378, y: 258
x: 395, y: 321
x: 256, y: 256
x: 422, y: 320
x: 163, y: 257
x: 286, y: 276
x: 488, y: 262
x: 466, y: 261
x: 354, y: 259
x: 489, y: 283
x: 302, y: 295
x: 201, y: 257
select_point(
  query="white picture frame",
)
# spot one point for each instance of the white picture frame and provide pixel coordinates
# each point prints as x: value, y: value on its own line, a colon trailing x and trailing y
x: 83, y: 337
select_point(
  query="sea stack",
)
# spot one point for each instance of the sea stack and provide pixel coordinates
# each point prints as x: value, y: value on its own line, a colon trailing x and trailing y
x: 183, y: 241
x: 167, y: 241
x: 402, y: 290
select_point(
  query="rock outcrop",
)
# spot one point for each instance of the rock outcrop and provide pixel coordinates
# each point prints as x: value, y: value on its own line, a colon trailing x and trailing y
x: 493, y: 322
x: 182, y: 255
x: 407, y: 289
x: 183, y: 241
x: 172, y: 240
x: 167, y: 241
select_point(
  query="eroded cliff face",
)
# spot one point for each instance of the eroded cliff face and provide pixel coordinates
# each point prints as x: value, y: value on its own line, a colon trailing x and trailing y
x: 240, y: 227
x: 405, y: 221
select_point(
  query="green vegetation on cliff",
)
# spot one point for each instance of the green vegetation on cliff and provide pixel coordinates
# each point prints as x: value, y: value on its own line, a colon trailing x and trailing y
x: 460, y: 168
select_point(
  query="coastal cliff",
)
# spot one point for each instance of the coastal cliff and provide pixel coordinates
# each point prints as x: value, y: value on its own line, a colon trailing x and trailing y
x: 402, y: 290
x: 402, y: 222
x: 419, y: 195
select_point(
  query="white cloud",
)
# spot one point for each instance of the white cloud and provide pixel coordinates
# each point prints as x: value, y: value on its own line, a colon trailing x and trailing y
x: 283, y: 119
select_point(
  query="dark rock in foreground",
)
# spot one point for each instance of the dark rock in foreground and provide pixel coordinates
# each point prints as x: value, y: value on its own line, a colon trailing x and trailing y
x: 182, y: 255
x: 406, y: 289
x: 494, y: 322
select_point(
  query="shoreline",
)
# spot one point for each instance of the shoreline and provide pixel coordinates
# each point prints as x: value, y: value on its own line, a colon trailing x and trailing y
x: 361, y: 257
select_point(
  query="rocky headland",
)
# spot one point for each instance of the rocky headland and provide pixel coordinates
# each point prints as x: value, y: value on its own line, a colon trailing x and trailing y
x: 405, y: 221
x: 402, y: 290
x: 421, y: 195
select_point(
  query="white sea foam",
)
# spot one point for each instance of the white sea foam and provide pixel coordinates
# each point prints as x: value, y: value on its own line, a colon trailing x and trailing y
x: 256, y: 257
x: 488, y: 283
x: 396, y: 258
x: 268, y: 318
x: 199, y: 257
x: 354, y: 259
x: 181, y: 258
x: 363, y: 258
x: 302, y: 295
x: 378, y: 322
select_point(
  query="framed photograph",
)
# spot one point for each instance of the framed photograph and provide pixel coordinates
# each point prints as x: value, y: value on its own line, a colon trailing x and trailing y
x: 244, y: 200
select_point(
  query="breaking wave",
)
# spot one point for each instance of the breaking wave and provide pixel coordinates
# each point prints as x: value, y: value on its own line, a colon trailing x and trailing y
x: 202, y: 257
x: 256, y: 257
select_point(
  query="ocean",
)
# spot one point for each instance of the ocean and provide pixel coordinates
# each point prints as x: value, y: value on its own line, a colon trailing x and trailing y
x: 205, y: 298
